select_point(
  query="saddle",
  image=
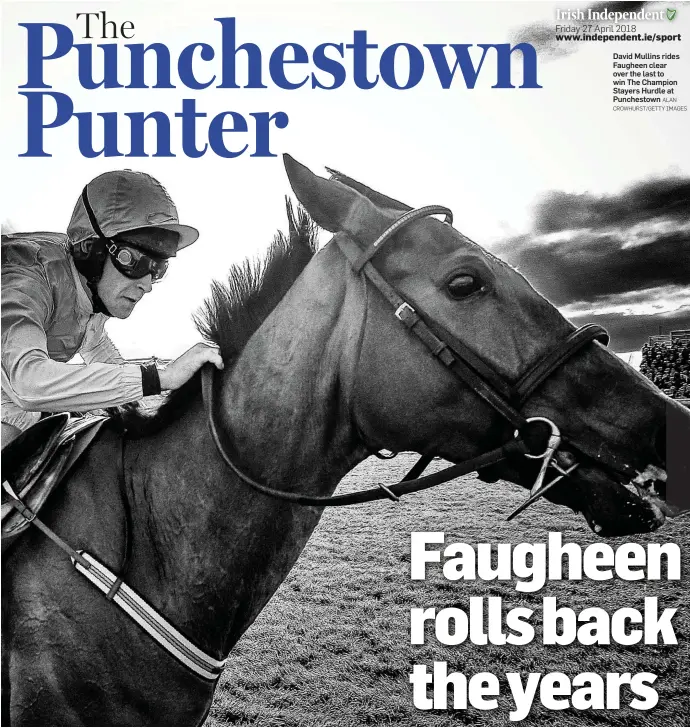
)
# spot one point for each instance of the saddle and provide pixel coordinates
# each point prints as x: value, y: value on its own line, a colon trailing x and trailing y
x: 36, y: 462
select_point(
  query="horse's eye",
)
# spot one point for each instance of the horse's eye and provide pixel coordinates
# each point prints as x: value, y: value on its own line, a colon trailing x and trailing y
x: 463, y: 285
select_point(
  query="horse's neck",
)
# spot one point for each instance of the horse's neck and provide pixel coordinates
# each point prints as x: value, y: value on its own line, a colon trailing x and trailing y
x: 287, y: 401
x: 222, y: 550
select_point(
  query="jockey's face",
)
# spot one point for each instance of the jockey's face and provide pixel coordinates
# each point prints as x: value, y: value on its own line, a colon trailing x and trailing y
x: 119, y: 293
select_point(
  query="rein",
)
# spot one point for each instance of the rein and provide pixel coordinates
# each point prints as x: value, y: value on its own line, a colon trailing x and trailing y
x: 504, y: 398
x: 407, y: 485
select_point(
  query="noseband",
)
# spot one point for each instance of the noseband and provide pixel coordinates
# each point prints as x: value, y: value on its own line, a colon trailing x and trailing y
x: 505, y: 398
x: 453, y: 354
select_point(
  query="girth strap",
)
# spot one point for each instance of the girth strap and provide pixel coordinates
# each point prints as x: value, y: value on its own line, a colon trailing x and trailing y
x: 149, y: 619
x: 117, y: 591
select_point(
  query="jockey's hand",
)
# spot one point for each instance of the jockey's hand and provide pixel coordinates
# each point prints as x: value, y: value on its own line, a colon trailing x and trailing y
x: 176, y: 373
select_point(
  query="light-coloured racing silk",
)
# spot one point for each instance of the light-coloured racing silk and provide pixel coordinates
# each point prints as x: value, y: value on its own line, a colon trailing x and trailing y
x: 47, y: 318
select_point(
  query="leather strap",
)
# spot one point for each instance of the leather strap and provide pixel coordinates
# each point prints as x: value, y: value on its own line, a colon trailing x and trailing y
x: 419, y: 467
x: 31, y: 517
x: 454, y: 355
x: 461, y: 360
x: 406, y: 486
x: 119, y: 593
x: 453, y: 360
x: 129, y: 524
x: 364, y: 257
x: 543, y: 369
x: 149, y: 619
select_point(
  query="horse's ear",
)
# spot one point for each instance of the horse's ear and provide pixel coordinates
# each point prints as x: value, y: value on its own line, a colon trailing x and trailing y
x: 327, y: 201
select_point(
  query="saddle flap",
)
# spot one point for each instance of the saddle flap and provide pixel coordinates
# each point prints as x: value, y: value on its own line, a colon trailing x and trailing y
x: 62, y: 453
x: 27, y: 455
x: 12, y: 521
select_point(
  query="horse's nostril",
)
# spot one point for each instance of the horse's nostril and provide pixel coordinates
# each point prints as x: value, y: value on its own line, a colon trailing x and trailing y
x: 660, y: 444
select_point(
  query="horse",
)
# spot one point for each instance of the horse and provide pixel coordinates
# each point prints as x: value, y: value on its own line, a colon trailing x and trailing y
x: 321, y: 372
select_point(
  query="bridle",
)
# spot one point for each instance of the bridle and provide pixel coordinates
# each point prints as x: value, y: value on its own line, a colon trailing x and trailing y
x: 505, y: 398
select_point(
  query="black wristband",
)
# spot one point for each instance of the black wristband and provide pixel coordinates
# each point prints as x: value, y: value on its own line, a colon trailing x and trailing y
x: 150, y: 381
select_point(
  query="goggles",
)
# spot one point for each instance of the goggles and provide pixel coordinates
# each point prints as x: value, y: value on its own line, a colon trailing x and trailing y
x: 128, y: 259
x: 134, y: 263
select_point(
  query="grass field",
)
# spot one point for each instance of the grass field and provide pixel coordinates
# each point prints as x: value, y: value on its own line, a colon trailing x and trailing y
x: 332, y: 647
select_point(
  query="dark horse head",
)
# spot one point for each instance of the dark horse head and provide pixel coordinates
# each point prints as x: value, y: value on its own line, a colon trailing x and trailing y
x: 319, y: 373
x: 612, y: 418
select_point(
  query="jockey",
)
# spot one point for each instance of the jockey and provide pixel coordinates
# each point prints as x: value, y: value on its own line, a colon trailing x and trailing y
x: 59, y: 290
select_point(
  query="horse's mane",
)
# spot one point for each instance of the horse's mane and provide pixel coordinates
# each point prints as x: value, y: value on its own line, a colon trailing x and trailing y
x: 234, y: 311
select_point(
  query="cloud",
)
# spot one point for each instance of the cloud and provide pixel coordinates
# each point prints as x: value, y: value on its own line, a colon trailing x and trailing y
x: 620, y: 7
x: 642, y: 201
x: 628, y: 333
x: 622, y: 260
x: 651, y: 301
x: 543, y: 35
x: 589, y: 265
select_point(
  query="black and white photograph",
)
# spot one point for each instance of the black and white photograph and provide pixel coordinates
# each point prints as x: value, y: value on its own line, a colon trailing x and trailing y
x: 345, y: 363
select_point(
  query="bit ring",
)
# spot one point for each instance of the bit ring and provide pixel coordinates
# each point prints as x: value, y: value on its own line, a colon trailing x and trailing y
x: 554, y: 438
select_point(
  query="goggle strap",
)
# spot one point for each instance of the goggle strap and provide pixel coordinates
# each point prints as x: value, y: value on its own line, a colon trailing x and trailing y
x: 109, y: 244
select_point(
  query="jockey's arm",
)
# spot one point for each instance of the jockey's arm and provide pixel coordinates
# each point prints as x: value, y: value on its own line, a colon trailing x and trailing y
x: 103, y: 350
x: 35, y: 382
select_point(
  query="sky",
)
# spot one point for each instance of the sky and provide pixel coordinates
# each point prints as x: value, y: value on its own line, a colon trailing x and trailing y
x: 592, y: 205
